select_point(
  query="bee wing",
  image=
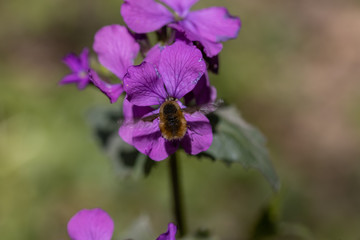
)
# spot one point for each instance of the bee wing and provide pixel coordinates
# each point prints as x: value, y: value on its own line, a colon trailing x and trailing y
x: 150, y: 118
x: 204, y: 108
x: 134, y: 121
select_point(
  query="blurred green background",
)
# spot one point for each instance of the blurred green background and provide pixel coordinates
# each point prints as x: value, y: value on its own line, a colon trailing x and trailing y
x: 293, y: 72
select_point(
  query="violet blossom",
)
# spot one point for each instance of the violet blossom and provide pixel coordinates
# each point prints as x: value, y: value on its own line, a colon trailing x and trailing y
x: 116, y: 49
x: 177, y: 73
x: 202, y: 93
x: 91, y: 224
x: 79, y: 65
x: 209, y: 26
x: 170, y: 234
x: 96, y: 224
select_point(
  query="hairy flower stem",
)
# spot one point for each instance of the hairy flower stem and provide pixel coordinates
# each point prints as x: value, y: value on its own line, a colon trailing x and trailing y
x: 177, y: 195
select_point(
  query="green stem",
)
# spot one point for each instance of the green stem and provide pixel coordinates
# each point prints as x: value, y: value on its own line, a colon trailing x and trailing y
x: 177, y: 195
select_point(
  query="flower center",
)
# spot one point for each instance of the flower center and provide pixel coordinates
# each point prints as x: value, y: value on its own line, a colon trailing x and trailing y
x: 82, y: 74
x: 177, y: 17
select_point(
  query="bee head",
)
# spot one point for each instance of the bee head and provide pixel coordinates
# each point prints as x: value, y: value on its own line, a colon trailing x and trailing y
x: 170, y: 99
x: 170, y: 108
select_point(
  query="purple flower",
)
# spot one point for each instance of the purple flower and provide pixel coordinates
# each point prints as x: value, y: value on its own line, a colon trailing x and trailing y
x: 96, y: 224
x: 162, y: 130
x: 91, y: 224
x: 209, y: 26
x: 79, y: 67
x: 170, y: 234
x: 116, y: 49
x: 203, y: 92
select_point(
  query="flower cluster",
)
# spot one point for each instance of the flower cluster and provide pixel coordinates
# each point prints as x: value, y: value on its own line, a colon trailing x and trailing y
x: 169, y: 93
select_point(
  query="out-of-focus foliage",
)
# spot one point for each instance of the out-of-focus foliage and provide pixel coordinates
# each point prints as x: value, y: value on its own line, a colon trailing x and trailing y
x: 127, y: 161
x: 237, y: 141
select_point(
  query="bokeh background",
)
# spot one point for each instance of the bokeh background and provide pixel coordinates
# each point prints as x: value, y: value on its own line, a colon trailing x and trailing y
x: 293, y: 72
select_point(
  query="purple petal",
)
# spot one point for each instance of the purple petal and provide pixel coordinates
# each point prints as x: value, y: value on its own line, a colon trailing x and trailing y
x: 112, y: 91
x: 210, y: 48
x: 71, y: 78
x: 210, y: 26
x: 180, y: 35
x: 153, y: 55
x: 198, y: 137
x: 170, y: 234
x: 181, y: 67
x: 94, y: 224
x: 73, y: 62
x: 83, y: 83
x: 181, y: 7
x: 132, y: 114
x: 146, y: 138
x: 84, y: 59
x: 144, y: 16
x: 80, y: 78
x: 144, y: 86
x: 203, y: 92
x: 215, y: 24
x: 116, y: 48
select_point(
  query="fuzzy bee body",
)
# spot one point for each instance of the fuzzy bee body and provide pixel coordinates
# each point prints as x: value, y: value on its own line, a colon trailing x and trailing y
x: 172, y: 122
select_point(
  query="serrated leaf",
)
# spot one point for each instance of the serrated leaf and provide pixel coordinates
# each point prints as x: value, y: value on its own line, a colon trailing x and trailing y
x: 237, y: 141
x: 128, y: 162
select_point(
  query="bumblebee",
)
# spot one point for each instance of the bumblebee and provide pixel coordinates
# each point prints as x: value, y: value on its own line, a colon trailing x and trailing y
x: 172, y: 122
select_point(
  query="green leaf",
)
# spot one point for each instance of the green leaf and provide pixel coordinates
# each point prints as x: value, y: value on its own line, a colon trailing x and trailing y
x: 270, y: 226
x: 128, y: 162
x: 237, y: 141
